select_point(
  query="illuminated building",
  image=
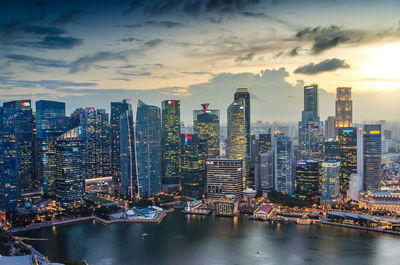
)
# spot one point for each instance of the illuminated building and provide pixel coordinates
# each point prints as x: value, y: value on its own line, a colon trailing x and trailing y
x: 356, y: 186
x: 207, y: 125
x: 283, y: 180
x: 128, y: 183
x: 332, y: 150
x: 243, y: 93
x: 148, y: 149
x: 70, y: 181
x: 190, y: 167
x: 310, y: 130
x: 347, y: 138
x: 360, y: 151
x: 118, y: 108
x: 224, y: 177
x: 170, y: 142
x: 46, y: 112
x: 372, y: 156
x: 330, y: 127
x: 236, y: 141
x: 227, y: 206
x: 344, y: 107
x: 16, y: 152
x: 380, y: 200
x: 265, y: 141
x: 330, y: 182
x: 307, y: 181
x: 264, y: 171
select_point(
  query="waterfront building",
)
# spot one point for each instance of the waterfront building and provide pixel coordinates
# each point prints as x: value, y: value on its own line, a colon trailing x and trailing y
x: 249, y: 194
x: 243, y: 93
x: 190, y: 167
x: 310, y: 129
x: 264, y: 172
x: 236, y: 141
x: 170, y: 142
x: 283, y: 159
x: 307, y: 181
x: 128, y: 185
x: 380, y: 200
x: 70, y: 181
x: 372, y: 152
x: 148, y: 149
x: 332, y: 150
x: 118, y: 108
x: 344, y: 107
x: 224, y: 177
x: 356, y: 186
x: 330, y: 127
x: 16, y: 152
x: 330, y: 182
x: 347, y: 138
x: 227, y: 206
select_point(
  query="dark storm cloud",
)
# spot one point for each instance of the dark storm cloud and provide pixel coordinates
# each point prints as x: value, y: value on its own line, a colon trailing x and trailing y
x: 247, y: 57
x: 35, y: 61
x: 71, y: 16
x: 324, y: 66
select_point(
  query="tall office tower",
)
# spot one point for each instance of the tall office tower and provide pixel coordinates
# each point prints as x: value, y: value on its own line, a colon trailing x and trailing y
x: 170, y: 142
x: 310, y: 130
x: 46, y: 112
x: 118, y: 108
x: 148, y: 149
x: 283, y: 160
x: 330, y: 127
x: 332, y: 150
x: 356, y: 185
x: 16, y: 152
x: 224, y: 177
x: 360, y: 150
x: 264, y: 172
x: 307, y: 181
x: 255, y: 151
x: 330, y: 182
x: 372, y: 151
x: 265, y: 141
x: 236, y: 141
x: 243, y: 93
x: 190, y: 168
x: 344, y: 107
x: 70, y: 181
x: 347, y: 138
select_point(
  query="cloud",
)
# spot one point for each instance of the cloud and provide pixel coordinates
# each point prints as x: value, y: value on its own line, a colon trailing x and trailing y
x: 57, y: 42
x: 328, y: 65
x: 247, y: 57
x: 165, y: 23
x: 294, y: 51
x: 35, y: 61
x: 133, y: 6
x: 71, y: 16
x: 153, y: 43
x: 84, y: 63
x: 135, y: 74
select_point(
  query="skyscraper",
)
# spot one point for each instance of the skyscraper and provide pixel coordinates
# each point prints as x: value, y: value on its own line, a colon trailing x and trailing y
x: 332, y: 150
x: 117, y: 108
x: 148, y: 149
x: 243, y: 93
x: 264, y: 171
x: 265, y: 141
x: 237, y: 141
x: 190, y: 168
x: 330, y: 182
x: 127, y: 155
x: 344, y: 107
x: 308, y: 182
x: 310, y: 131
x: 70, y: 181
x: 330, y: 127
x: 372, y: 156
x: 224, y: 177
x: 283, y: 180
x: 170, y: 142
x: 347, y: 138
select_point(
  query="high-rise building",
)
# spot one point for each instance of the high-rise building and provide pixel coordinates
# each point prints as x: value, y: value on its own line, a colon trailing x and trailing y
x: 310, y: 129
x: 243, y: 93
x: 356, y: 186
x: 224, y: 177
x: 283, y: 160
x: 360, y: 151
x: 170, y: 142
x: 347, y: 138
x: 190, y: 168
x: 70, y: 181
x: 372, y: 156
x: 128, y: 185
x: 16, y: 152
x: 332, y: 150
x: 307, y: 181
x: 50, y: 123
x: 330, y: 182
x: 330, y: 127
x: 265, y: 141
x: 117, y: 108
x: 148, y: 149
x: 236, y: 141
x: 344, y: 107
x: 264, y: 172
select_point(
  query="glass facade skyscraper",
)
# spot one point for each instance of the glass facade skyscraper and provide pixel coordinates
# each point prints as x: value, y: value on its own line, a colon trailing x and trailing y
x: 308, y: 182
x: 190, y: 168
x: 330, y: 182
x: 283, y: 180
x: 344, y: 107
x: 243, y: 93
x: 347, y: 138
x: 170, y: 141
x: 372, y: 148
x: 148, y: 149
x: 127, y: 155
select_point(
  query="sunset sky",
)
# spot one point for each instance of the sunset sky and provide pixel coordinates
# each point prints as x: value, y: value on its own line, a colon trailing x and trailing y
x: 89, y: 53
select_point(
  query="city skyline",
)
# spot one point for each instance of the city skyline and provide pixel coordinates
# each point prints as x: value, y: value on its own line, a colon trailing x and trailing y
x: 67, y: 52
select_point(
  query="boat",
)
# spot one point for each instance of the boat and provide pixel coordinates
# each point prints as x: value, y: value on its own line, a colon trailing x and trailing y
x: 144, y: 235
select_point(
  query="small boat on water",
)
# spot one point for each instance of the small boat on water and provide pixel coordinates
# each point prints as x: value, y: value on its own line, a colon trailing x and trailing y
x: 144, y: 235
